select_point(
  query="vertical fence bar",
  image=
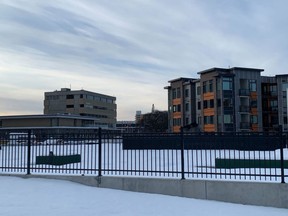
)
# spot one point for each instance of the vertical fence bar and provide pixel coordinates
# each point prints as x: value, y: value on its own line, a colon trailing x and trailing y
x: 182, y: 153
x: 29, y: 153
x: 99, y: 152
x: 282, y: 140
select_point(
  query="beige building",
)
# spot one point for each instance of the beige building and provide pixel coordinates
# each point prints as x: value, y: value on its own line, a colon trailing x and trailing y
x: 83, y: 103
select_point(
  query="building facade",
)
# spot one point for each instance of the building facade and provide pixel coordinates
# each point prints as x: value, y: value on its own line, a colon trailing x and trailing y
x: 58, y: 120
x: 83, y: 103
x: 234, y: 99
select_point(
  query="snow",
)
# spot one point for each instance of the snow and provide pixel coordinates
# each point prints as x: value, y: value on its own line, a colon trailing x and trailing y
x: 34, y: 197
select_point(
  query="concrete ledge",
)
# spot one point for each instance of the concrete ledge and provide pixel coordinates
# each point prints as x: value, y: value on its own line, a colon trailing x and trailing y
x: 250, y: 193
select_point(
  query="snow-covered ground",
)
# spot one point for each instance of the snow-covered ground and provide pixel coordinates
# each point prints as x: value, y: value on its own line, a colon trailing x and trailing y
x: 34, y: 197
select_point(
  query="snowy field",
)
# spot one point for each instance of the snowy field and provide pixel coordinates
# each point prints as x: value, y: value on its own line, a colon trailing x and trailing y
x: 34, y: 197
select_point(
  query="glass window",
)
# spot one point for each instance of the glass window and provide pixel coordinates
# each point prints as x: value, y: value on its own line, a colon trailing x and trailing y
x: 187, y: 107
x: 210, y: 85
x: 205, y: 104
x: 69, y: 96
x: 227, y: 83
x: 204, y: 86
x: 252, y: 85
x: 227, y: 102
x: 211, y: 103
x: 178, y: 93
x: 198, y: 90
x: 173, y: 93
x: 228, y: 119
x: 199, y: 105
x: 186, y: 92
x: 254, y: 119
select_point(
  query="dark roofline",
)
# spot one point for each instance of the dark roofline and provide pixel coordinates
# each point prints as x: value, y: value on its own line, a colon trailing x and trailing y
x: 280, y: 75
x: 49, y: 116
x: 181, y: 78
x: 229, y: 69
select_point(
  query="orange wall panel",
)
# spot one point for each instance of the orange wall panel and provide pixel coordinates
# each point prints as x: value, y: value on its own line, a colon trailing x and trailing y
x: 208, y: 112
x: 176, y: 101
x: 208, y: 96
x: 209, y: 128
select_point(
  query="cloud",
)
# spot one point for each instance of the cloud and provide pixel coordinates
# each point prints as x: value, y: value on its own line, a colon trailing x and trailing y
x: 130, y: 49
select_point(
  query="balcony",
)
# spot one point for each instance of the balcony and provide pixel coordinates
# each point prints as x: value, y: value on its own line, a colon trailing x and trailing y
x: 244, y: 92
x: 245, y: 109
x: 244, y: 125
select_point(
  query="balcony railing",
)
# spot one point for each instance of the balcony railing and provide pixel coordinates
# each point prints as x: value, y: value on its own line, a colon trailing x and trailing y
x: 244, y: 109
x: 244, y: 125
x: 244, y: 92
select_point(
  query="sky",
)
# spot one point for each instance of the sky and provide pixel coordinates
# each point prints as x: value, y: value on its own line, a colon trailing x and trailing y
x: 130, y: 49
x: 45, y: 197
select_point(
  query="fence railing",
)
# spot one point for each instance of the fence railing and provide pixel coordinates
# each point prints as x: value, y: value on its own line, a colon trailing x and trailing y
x: 234, y: 156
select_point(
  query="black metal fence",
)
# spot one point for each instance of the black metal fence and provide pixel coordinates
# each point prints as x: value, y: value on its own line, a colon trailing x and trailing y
x: 75, y: 151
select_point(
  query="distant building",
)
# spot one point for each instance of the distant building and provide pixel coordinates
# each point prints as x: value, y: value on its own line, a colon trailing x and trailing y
x: 57, y: 120
x: 83, y: 103
x: 138, y: 117
x: 127, y: 126
x: 233, y: 99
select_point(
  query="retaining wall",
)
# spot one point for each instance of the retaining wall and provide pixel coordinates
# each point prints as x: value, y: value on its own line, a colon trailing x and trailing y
x: 250, y: 193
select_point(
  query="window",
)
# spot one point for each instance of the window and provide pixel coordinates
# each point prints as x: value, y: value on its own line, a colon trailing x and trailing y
x: 227, y: 83
x: 254, y: 119
x: 173, y: 93
x: 252, y: 85
x: 69, y: 96
x: 186, y: 92
x: 199, y: 105
x: 253, y: 103
x: 187, y: 107
x: 186, y: 121
x: 227, y: 102
x: 177, y: 122
x: 81, y: 95
x: 81, y: 105
x: 179, y: 108
x: 204, y: 86
x: 210, y: 85
x: 228, y: 119
x: 211, y: 103
x: 178, y: 93
x: 205, y: 104
x: 208, y: 119
x: 69, y: 106
x: 198, y: 90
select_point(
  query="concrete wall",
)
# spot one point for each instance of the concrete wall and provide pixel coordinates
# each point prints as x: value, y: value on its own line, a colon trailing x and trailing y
x: 250, y: 193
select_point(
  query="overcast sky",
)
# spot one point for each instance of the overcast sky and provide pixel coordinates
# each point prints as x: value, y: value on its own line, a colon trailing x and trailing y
x: 130, y: 49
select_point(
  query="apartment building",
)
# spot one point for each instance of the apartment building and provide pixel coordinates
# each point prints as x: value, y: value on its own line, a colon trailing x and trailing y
x: 82, y: 103
x: 233, y: 99
x: 181, y: 103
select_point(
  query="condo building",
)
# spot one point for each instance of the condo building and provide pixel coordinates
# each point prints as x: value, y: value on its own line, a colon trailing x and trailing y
x: 83, y: 103
x: 234, y: 99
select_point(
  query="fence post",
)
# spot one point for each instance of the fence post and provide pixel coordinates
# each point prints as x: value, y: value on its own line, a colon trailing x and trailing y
x: 182, y: 153
x: 282, y: 140
x: 29, y: 153
x: 99, y: 152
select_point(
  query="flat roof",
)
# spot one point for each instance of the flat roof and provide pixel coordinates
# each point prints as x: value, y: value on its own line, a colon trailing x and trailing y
x: 181, y: 78
x: 48, y: 116
x: 69, y: 91
x: 229, y: 69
